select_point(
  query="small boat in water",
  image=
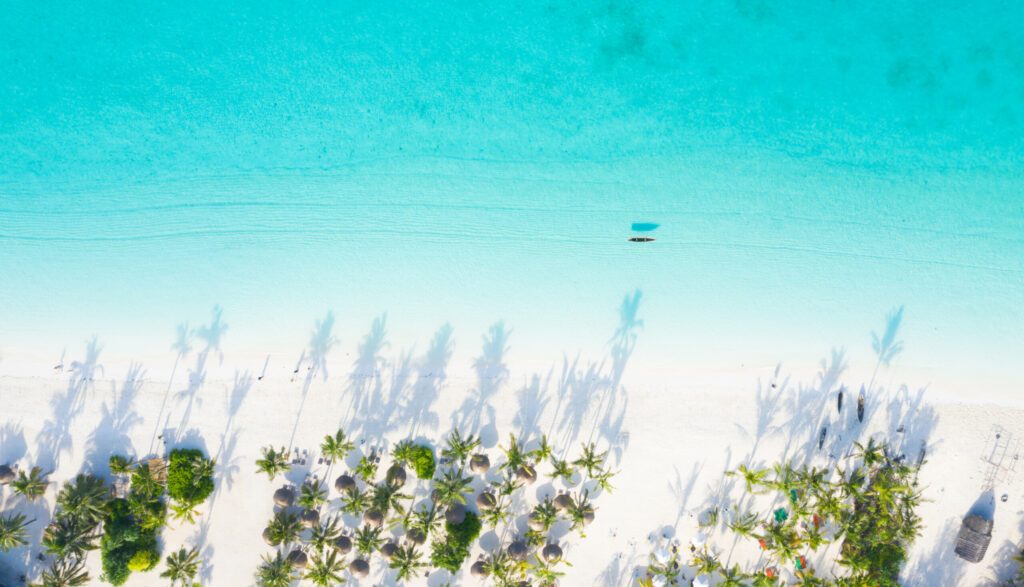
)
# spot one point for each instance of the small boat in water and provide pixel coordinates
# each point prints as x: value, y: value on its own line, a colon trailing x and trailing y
x: 640, y: 239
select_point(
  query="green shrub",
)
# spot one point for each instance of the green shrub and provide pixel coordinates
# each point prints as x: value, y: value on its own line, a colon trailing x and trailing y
x: 418, y: 456
x: 142, y: 560
x: 454, y: 551
x: 189, y: 476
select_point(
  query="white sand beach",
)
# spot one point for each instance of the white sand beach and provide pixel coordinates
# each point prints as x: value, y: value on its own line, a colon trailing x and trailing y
x: 670, y: 443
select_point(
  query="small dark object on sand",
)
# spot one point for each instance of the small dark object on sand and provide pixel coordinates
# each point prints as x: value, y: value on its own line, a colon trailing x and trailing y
x: 640, y: 239
x: 860, y: 406
x: 839, y: 400
x: 821, y: 438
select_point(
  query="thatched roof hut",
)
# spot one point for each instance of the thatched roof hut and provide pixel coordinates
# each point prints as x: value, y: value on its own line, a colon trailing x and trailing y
x: 479, y: 569
x: 268, y: 537
x: 373, y: 518
x: 588, y: 518
x: 284, y: 497
x: 345, y: 484
x: 157, y: 469
x: 416, y: 536
x: 359, y: 568
x: 310, y: 518
x: 552, y: 553
x: 388, y: 550
x: 298, y: 558
x: 563, y: 501
x: 974, y: 537
x: 535, y: 522
x: 343, y: 544
x: 7, y: 474
x: 396, y: 475
x: 455, y: 513
x: 518, y: 550
x: 486, y: 501
x: 479, y: 463
x: 527, y: 474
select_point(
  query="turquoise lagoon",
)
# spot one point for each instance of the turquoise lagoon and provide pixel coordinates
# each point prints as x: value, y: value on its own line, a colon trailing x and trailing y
x: 811, y: 166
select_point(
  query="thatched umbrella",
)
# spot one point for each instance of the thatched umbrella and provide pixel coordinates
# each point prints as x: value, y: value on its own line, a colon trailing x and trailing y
x: 359, y: 568
x: 310, y: 518
x: 518, y: 550
x: 343, y: 544
x: 7, y: 474
x: 552, y: 553
x: 588, y: 518
x: 416, y: 536
x: 345, y: 484
x: 284, y: 497
x: 455, y: 513
x: 396, y: 475
x: 267, y: 537
x: 486, y: 501
x: 479, y: 569
x: 298, y: 559
x: 479, y: 463
x: 563, y: 501
x: 373, y: 518
x: 388, y: 550
x: 527, y: 474
x: 536, y: 522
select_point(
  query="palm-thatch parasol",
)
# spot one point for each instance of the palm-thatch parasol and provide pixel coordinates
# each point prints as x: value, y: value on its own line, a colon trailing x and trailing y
x: 479, y: 463
x: 455, y: 513
x: 396, y: 475
x: 310, y: 518
x: 527, y: 474
x: 359, y: 568
x: 518, y: 550
x: 536, y: 522
x: 416, y: 536
x: 563, y: 501
x: 552, y: 553
x: 268, y: 537
x: 7, y: 474
x: 284, y: 497
x: 343, y: 544
x: 298, y: 559
x: 388, y: 550
x: 345, y: 484
x: 479, y: 569
x: 588, y: 518
x: 486, y: 501
x: 373, y: 518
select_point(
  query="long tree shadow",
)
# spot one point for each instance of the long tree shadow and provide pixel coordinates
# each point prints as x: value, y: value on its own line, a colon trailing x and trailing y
x: 182, y: 346
x: 431, y: 374
x: 320, y: 344
x: 365, y: 376
x: 113, y: 433
x: 54, y: 438
x: 491, y: 374
x: 211, y: 335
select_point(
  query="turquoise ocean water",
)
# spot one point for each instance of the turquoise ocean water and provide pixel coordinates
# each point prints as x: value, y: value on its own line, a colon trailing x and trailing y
x: 810, y: 167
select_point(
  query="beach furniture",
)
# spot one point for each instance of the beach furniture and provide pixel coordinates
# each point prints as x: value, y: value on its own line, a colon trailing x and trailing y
x: 973, y: 539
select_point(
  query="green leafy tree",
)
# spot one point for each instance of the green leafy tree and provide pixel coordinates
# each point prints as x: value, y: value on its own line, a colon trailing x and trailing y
x: 182, y: 567
x: 284, y: 528
x: 67, y: 537
x: 64, y: 573
x: 324, y: 534
x: 515, y: 456
x: 590, y: 460
x: 326, y: 569
x: 458, y: 448
x: 12, y: 531
x: 275, y: 571
x: 355, y: 502
x: 273, y: 462
x: 452, y: 487
x: 406, y: 562
x: 84, y: 498
x: 367, y: 540
x: 562, y: 469
x: 312, y: 495
x: 336, y: 447
x: 33, y: 485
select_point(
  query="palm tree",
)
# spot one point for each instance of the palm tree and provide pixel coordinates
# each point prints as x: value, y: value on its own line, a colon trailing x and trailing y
x: 543, y: 450
x: 64, y: 573
x: 872, y: 454
x: 354, y: 502
x: 705, y: 562
x: 386, y: 497
x: 336, y: 447
x: 182, y: 567
x: 284, y: 528
x: 273, y: 462
x: 68, y: 537
x: 185, y: 511
x: 500, y: 513
x: 85, y: 498
x: 590, y: 459
x: 744, y: 524
x: 326, y: 569
x: 458, y: 448
x: 545, y: 513
x: 753, y: 479
x: 12, y: 531
x: 367, y: 540
x: 33, y: 485
x: 366, y: 469
x: 407, y: 562
x: 426, y: 520
x: 515, y: 457
x: 275, y: 571
x: 452, y: 487
x: 546, y: 574
x: 733, y: 577
x: 562, y: 468
x: 604, y: 478
x: 580, y: 512
x: 324, y: 534
x: 120, y: 465
x: 312, y: 495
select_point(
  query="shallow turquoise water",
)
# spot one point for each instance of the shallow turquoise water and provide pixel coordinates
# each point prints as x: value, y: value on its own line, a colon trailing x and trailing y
x: 810, y: 167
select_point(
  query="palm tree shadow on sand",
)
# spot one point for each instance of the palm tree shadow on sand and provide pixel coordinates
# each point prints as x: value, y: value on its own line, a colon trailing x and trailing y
x: 112, y: 434
x: 54, y: 438
x: 477, y: 415
x: 212, y: 336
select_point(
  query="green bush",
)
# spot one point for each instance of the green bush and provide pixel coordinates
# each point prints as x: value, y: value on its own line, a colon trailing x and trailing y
x: 129, y: 541
x: 142, y: 560
x: 454, y: 551
x: 189, y: 476
x: 418, y: 456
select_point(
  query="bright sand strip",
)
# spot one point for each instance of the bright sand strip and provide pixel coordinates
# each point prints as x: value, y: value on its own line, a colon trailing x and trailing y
x: 672, y: 444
